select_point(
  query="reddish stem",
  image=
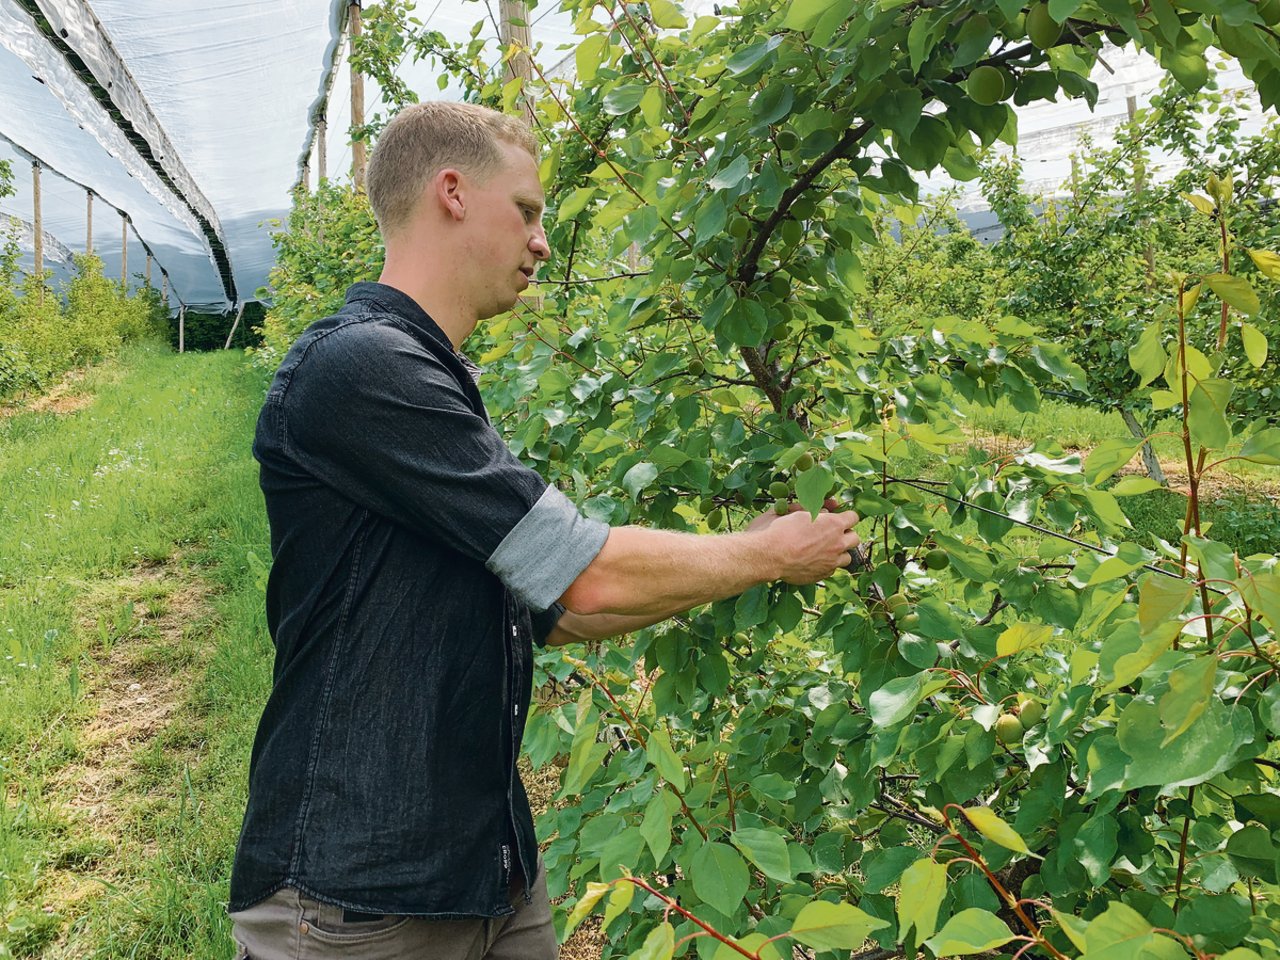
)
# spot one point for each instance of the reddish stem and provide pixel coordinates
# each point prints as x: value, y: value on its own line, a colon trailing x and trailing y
x: 711, y: 931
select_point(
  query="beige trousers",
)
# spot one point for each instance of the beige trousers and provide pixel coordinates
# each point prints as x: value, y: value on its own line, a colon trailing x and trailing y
x: 289, y: 925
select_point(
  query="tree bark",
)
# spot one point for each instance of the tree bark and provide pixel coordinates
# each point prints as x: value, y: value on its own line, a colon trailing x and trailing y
x: 1149, y: 459
x: 358, y: 161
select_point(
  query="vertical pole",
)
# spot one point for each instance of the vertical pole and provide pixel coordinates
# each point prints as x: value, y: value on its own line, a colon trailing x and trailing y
x: 1139, y: 183
x: 306, y: 176
x: 182, y: 328
x: 513, y: 26
x: 148, y: 268
x: 322, y: 150
x: 164, y: 288
x: 124, y: 250
x: 88, y: 216
x: 357, y: 99
x: 232, y: 334
x: 37, y: 219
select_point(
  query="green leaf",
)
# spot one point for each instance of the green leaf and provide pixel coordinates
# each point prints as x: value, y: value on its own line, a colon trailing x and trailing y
x: 1207, y: 417
x: 619, y: 899
x: 576, y: 203
x: 664, y: 759
x: 920, y: 894
x: 812, y: 487
x: 622, y: 100
x: 1096, y: 846
x: 1235, y: 291
x: 656, y: 825
x: 970, y: 931
x: 1147, y: 356
x: 1108, y: 457
x: 1072, y: 926
x: 639, y: 477
x: 1023, y: 636
x: 988, y: 823
x: 586, y: 903
x: 1268, y: 263
x: 802, y: 15
x: 720, y: 877
x: 1160, y: 599
x: 1263, y: 447
x: 589, y: 55
x: 1205, y: 749
x: 585, y: 754
x: 660, y: 944
x: 1053, y: 358
x: 731, y: 175
x: 896, y: 700
x: 1190, y: 691
x: 1203, y: 204
x: 1127, y: 656
x: 767, y: 850
x: 667, y: 15
x: 1254, y: 854
x: 1261, y: 591
x: 747, y: 57
x: 833, y: 926
x: 1132, y: 486
x: 1255, y: 344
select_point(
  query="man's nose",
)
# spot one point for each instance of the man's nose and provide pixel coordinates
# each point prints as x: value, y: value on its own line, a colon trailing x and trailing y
x: 538, y: 245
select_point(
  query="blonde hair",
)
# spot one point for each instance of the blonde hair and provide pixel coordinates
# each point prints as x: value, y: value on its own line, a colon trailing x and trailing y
x: 424, y: 138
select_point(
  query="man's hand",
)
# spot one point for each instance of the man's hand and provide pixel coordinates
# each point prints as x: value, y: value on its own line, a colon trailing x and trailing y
x: 810, y: 548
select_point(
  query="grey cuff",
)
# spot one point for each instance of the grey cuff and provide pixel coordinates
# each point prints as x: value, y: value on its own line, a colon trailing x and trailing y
x: 544, y: 553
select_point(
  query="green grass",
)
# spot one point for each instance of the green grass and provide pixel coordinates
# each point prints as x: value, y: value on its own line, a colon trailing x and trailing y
x: 128, y: 533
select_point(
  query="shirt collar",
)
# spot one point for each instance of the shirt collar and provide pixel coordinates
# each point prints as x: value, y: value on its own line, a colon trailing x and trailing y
x: 400, y: 304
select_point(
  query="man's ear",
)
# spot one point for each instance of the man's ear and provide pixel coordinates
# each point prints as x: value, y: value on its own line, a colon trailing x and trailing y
x: 448, y: 187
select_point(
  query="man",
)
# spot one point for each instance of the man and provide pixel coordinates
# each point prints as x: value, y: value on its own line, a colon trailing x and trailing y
x: 416, y: 561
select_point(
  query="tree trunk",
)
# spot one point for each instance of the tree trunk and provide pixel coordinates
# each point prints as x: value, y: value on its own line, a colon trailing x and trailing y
x: 1148, y: 454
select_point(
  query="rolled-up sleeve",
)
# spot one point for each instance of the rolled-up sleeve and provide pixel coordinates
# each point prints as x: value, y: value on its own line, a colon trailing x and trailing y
x: 375, y: 415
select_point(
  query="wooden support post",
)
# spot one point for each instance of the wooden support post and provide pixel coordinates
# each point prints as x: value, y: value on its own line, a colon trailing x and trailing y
x: 513, y: 27
x: 1139, y: 183
x: 306, y: 176
x: 148, y: 268
x: 164, y: 288
x: 231, y: 335
x: 37, y: 219
x: 322, y: 151
x: 182, y: 328
x: 88, y: 218
x: 124, y: 250
x: 358, y: 161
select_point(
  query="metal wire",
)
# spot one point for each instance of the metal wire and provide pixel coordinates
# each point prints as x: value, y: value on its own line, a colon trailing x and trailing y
x: 1032, y: 526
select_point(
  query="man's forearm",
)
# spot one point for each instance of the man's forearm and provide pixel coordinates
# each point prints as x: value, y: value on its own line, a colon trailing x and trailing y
x: 581, y: 628
x: 653, y: 574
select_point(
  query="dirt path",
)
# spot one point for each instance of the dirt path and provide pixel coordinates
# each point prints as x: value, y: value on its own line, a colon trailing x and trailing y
x: 139, y: 662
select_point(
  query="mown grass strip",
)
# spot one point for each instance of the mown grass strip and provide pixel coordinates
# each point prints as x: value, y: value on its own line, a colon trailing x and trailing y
x: 133, y: 657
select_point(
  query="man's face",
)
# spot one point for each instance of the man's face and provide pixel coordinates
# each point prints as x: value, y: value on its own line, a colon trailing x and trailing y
x: 505, y: 241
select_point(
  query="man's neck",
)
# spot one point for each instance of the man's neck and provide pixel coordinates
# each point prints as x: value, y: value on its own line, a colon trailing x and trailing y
x: 437, y: 295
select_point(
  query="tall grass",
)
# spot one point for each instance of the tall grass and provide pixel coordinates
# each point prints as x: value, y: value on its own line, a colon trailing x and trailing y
x: 157, y: 469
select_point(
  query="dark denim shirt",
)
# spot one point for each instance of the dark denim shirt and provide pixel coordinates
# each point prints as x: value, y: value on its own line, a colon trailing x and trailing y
x: 415, y: 559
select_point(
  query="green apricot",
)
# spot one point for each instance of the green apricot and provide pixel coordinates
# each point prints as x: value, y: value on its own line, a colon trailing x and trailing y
x: 779, y: 490
x: 1042, y: 29
x: 937, y: 559
x: 803, y: 462
x: 929, y: 386
x: 990, y: 371
x: 909, y: 621
x: 1009, y: 728
x: 715, y: 519
x: 986, y: 85
x: 1030, y: 713
x: 696, y: 367
x: 739, y: 227
x: 787, y: 140
x: 555, y: 452
x: 781, y: 507
x: 706, y: 505
x: 972, y: 369
x: 896, y: 602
